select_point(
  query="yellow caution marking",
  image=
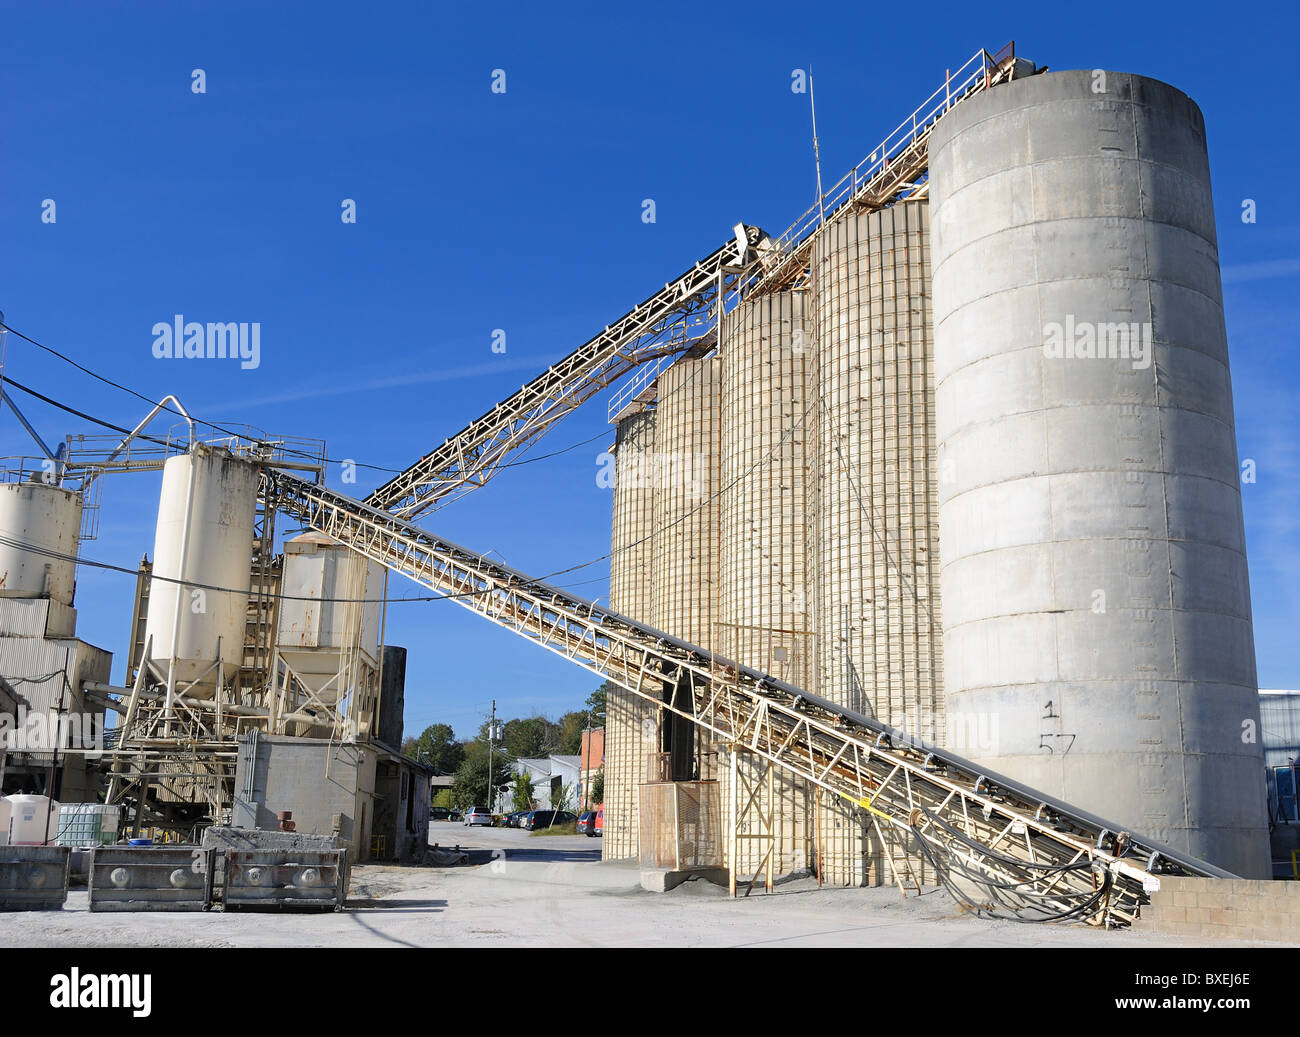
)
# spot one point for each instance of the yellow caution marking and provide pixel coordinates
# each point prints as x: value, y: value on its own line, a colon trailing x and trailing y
x: 865, y: 804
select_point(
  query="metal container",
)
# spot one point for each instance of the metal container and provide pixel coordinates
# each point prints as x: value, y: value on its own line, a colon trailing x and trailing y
x: 205, y: 539
x: 151, y: 878
x: 1096, y: 601
x: 33, y: 878
x: 331, y: 610
x: 631, y: 723
x: 874, y: 547
x: 763, y: 604
x: 285, y: 879
x: 40, y: 526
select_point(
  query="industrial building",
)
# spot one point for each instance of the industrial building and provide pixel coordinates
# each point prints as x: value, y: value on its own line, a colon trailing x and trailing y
x: 928, y: 556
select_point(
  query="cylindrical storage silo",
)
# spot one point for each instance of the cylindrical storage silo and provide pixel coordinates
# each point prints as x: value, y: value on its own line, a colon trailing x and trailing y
x: 631, y: 722
x: 40, y: 525
x: 1097, y: 625
x: 874, y: 552
x: 331, y: 610
x: 203, y: 547
x: 688, y: 435
x: 767, y: 415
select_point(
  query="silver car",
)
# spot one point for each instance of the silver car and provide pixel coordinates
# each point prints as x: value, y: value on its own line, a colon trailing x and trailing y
x: 478, y: 816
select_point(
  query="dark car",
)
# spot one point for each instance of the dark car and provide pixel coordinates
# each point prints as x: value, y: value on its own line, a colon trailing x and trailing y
x: 443, y: 814
x: 515, y: 820
x: 587, y: 823
x: 546, y: 818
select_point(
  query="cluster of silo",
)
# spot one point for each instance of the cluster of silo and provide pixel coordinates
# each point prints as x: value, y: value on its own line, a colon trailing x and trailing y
x: 1043, y: 442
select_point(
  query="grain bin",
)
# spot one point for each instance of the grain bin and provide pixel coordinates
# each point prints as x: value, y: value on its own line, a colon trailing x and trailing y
x: 40, y: 524
x: 1097, y: 620
x: 203, y: 549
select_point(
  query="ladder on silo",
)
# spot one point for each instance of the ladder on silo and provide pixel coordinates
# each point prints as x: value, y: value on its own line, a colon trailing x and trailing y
x: 1025, y: 852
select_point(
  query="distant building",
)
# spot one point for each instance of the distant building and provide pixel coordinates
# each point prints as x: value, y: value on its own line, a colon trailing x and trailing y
x: 592, y: 754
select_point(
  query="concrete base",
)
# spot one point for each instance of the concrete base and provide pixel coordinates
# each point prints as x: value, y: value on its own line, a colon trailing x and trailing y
x: 661, y: 880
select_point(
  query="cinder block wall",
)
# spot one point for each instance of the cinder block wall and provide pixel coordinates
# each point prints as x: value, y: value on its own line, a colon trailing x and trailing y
x: 1224, y: 909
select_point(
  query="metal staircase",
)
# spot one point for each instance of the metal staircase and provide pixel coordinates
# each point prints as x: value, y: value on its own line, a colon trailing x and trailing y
x: 998, y: 845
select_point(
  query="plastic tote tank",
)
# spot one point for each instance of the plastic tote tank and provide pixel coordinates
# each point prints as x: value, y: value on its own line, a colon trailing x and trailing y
x: 204, y: 538
x: 34, y: 820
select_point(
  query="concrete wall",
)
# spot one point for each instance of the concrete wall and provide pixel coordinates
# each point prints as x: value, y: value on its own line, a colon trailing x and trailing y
x: 1096, y: 605
x: 1218, y: 909
x: 329, y: 787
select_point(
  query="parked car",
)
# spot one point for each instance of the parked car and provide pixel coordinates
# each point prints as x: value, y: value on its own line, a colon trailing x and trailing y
x: 598, y: 829
x: 443, y: 814
x: 478, y: 816
x: 546, y: 818
x: 587, y: 823
x: 516, y: 819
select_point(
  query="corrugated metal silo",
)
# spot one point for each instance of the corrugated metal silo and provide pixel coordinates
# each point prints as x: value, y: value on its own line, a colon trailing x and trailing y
x: 631, y: 723
x: 1097, y: 623
x: 763, y: 599
x: 42, y: 525
x: 874, y: 550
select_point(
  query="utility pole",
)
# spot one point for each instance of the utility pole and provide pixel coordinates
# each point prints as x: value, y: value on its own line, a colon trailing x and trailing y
x: 492, y: 732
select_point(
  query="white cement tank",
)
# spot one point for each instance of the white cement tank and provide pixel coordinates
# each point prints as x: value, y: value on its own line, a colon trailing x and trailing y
x: 332, y: 606
x: 41, y: 518
x: 204, y: 538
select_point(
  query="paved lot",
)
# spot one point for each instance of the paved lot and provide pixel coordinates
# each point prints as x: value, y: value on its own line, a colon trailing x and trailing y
x: 554, y: 891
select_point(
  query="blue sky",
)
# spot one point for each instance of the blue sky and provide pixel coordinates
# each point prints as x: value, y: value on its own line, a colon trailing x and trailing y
x: 521, y: 211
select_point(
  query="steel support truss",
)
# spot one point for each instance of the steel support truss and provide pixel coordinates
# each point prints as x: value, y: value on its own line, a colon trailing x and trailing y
x: 1032, y: 848
x: 660, y: 326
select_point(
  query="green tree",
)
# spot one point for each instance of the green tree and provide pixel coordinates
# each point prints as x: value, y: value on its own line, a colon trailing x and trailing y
x: 530, y: 737
x: 596, y: 703
x: 571, y: 727
x: 437, y: 747
x: 521, y: 792
x: 598, y: 788
x: 470, y: 787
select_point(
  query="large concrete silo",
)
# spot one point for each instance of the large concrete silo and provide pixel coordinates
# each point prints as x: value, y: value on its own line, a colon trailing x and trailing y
x: 1097, y: 621
x: 631, y: 722
x: 686, y: 575
x: 763, y: 599
x: 874, y: 546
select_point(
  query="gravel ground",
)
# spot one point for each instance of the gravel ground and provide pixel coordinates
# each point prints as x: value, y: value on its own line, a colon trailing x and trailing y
x: 522, y: 890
